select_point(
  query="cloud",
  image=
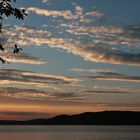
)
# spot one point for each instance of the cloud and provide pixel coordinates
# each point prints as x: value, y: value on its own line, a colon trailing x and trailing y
x: 94, y: 52
x: 13, y: 113
x: 101, y: 90
x: 97, y: 30
x: 109, y: 35
x: 77, y: 14
x: 25, y: 93
x: 115, y: 77
x: 45, y: 1
x: 39, y: 95
x: 105, y: 92
x: 105, y: 47
x: 94, y: 13
x: 107, y: 74
x: 115, y: 90
x: 8, y: 76
x: 133, y: 31
x: 96, y: 70
x: 19, y: 35
x: 79, y: 10
x: 23, y: 115
x: 23, y: 35
x: 80, y: 100
x: 122, y: 106
x: 54, y: 13
x: 115, y: 45
x: 21, y: 58
x: 105, y: 44
x: 108, y: 44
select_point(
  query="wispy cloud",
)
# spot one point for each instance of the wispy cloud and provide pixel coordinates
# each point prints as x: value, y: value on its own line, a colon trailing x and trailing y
x: 105, y: 44
x: 21, y: 58
x: 105, y: 92
x: 112, y: 90
x: 107, y: 74
x: 54, y: 13
x: 97, y: 30
x: 23, y: 115
x: 45, y: 1
x: 13, y: 113
x: 8, y: 76
x: 95, y: 52
x: 40, y: 95
x: 98, y: 50
x: 78, y: 13
x: 115, y: 77
x: 79, y: 10
x: 95, y: 70
x: 20, y: 35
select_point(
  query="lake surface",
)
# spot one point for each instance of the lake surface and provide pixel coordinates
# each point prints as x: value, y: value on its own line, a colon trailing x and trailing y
x: 69, y: 132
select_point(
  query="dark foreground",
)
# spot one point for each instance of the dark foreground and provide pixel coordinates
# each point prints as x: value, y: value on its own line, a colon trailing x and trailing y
x: 88, y: 118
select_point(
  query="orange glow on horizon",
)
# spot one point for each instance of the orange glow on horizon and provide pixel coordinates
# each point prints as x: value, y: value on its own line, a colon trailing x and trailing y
x: 27, y: 111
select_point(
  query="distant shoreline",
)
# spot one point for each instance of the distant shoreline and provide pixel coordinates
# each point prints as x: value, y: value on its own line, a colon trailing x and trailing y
x: 87, y: 118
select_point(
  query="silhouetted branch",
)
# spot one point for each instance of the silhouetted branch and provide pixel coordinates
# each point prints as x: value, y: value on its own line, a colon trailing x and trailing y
x: 6, y: 9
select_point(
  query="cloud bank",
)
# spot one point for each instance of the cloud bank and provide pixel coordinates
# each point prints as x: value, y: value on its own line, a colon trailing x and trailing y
x: 93, y: 50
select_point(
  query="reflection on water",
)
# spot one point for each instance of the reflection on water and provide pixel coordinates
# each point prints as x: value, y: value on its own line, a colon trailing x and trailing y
x: 69, y: 132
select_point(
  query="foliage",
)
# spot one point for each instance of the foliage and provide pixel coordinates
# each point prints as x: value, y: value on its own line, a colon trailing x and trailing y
x: 6, y: 10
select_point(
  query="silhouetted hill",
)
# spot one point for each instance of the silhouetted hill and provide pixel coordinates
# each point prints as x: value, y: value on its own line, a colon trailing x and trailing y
x: 87, y: 118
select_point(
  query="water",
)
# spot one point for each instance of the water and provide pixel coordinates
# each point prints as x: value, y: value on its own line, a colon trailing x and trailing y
x: 69, y: 132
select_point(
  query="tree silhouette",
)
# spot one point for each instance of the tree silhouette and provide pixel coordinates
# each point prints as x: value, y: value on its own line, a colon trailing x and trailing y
x: 6, y: 10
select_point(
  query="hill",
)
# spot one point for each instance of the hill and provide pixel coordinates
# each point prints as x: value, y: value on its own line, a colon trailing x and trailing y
x: 87, y: 118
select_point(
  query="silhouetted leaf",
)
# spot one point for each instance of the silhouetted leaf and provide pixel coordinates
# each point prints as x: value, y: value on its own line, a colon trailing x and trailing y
x: 6, y: 9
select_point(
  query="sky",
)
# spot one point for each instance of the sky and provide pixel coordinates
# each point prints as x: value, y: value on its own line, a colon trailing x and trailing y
x: 78, y: 56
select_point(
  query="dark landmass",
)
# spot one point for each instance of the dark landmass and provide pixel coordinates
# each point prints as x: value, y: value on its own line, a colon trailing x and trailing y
x: 87, y: 118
